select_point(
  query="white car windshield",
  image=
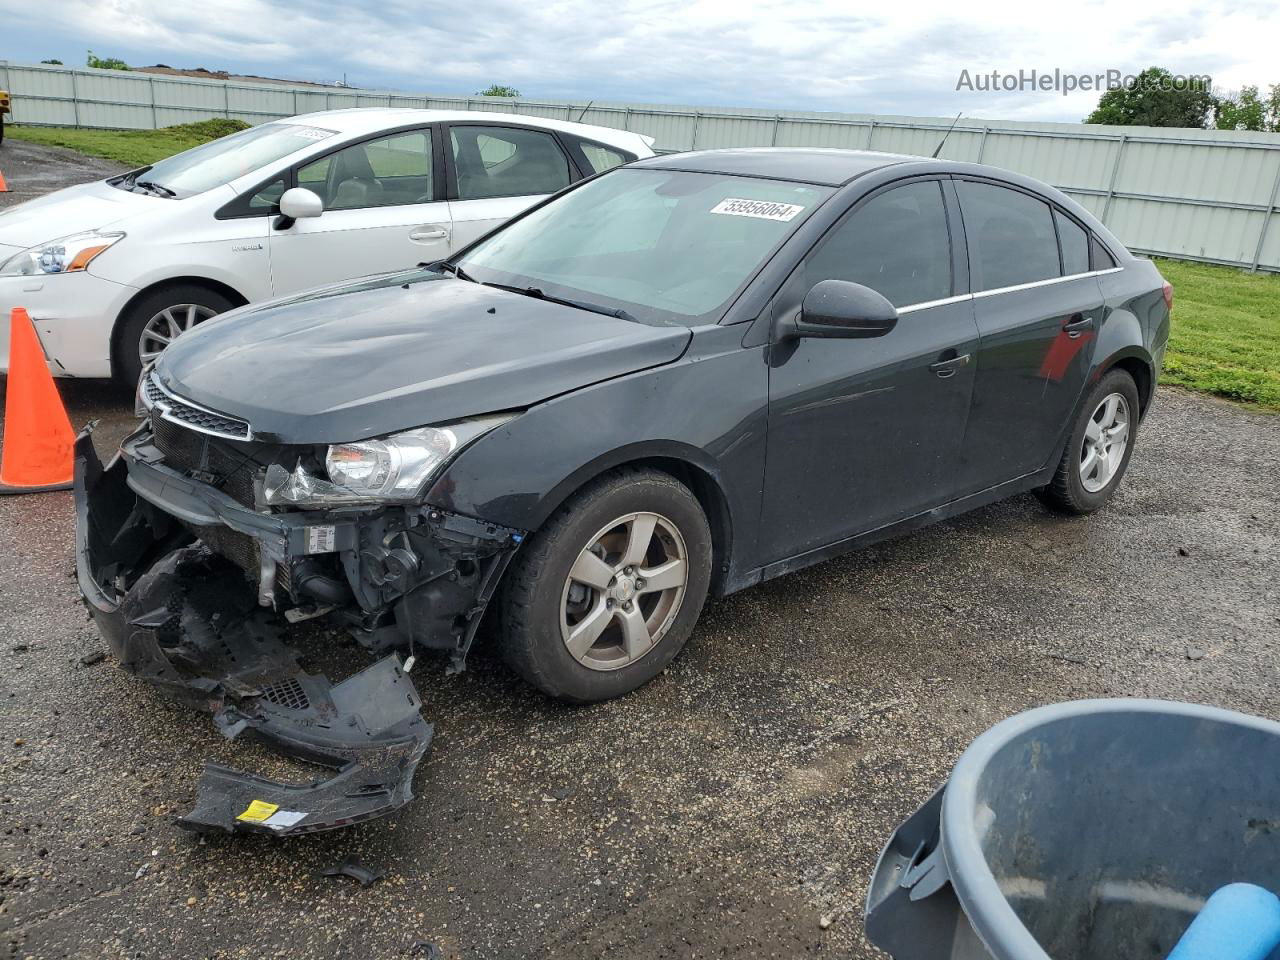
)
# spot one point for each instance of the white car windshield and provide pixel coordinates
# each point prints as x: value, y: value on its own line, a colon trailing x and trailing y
x: 662, y: 246
x: 221, y: 161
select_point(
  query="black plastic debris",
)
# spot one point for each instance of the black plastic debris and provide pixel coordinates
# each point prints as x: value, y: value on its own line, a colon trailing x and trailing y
x: 189, y: 628
x: 357, y: 870
x: 426, y: 949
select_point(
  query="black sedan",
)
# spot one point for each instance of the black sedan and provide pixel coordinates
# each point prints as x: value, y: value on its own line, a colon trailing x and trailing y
x: 681, y: 377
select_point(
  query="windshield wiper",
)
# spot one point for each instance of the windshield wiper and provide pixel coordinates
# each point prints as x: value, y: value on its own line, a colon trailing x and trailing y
x: 456, y: 270
x: 539, y: 294
x: 154, y: 187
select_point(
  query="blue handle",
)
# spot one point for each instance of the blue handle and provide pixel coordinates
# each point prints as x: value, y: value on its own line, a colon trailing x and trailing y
x: 1239, y: 922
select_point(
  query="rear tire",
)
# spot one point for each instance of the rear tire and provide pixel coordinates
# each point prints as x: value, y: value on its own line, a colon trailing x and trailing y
x: 187, y: 304
x: 1098, y: 450
x: 580, y: 620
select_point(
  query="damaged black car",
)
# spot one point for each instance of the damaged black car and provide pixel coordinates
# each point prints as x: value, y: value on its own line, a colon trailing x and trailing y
x: 674, y: 380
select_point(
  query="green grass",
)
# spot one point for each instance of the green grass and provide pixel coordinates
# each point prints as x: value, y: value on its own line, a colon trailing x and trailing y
x: 1226, y: 332
x: 133, y: 148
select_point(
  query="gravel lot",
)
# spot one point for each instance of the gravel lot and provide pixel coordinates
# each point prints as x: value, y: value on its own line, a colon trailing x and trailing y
x: 731, y: 808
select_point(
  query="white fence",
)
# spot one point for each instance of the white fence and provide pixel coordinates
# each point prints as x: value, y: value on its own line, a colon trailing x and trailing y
x: 1208, y: 195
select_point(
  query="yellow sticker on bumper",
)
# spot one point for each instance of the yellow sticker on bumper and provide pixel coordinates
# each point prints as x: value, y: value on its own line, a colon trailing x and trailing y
x: 258, y: 811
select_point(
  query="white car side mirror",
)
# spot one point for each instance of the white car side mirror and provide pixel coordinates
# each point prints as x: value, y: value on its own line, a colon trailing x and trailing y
x: 299, y: 203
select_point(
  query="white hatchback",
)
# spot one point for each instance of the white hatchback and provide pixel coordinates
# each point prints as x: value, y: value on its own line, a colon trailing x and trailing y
x: 114, y: 270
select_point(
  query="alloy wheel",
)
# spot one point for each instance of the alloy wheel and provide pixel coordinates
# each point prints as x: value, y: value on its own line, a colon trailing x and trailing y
x: 624, y: 590
x: 1106, y: 438
x: 167, y: 325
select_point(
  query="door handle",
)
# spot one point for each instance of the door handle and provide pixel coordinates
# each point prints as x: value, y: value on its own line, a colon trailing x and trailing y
x: 427, y: 234
x: 1077, y: 324
x: 948, y: 368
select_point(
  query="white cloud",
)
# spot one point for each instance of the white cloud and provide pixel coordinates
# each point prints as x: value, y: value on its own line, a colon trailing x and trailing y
x: 802, y: 54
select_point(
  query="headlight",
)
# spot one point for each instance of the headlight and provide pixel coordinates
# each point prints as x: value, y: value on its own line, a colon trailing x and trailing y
x: 392, y: 468
x: 68, y: 255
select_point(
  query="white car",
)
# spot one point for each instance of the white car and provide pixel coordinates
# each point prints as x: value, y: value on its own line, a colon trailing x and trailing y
x: 112, y: 271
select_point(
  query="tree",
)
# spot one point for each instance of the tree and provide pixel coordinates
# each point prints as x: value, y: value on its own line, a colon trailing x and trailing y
x: 1247, y: 110
x: 54, y: 62
x: 1155, y: 98
x: 105, y: 63
x: 498, y: 90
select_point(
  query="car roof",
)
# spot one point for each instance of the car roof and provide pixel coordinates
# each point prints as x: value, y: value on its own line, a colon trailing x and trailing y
x: 826, y: 166
x: 361, y: 120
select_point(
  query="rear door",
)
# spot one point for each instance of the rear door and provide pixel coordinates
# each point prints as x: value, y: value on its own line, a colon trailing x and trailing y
x: 496, y: 172
x: 865, y: 432
x: 1038, y: 306
x: 384, y: 210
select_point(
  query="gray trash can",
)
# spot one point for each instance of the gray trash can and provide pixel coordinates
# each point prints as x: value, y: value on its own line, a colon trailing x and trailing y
x: 1092, y: 830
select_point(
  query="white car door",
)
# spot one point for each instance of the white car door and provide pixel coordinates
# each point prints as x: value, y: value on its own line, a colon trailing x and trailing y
x: 498, y: 172
x: 380, y: 214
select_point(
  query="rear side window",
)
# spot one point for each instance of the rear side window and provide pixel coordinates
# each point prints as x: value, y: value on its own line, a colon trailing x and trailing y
x: 1102, y: 258
x: 1075, y: 245
x: 599, y: 159
x: 506, y: 162
x: 1010, y: 235
x: 896, y: 243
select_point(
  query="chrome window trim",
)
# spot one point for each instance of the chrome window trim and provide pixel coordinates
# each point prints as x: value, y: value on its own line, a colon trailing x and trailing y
x: 165, y: 411
x: 909, y: 308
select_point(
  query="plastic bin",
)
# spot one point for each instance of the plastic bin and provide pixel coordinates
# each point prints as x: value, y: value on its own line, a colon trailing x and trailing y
x: 1082, y: 831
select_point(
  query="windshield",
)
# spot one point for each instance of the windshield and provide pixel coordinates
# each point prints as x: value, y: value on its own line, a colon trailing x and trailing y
x: 664, y: 246
x: 221, y: 161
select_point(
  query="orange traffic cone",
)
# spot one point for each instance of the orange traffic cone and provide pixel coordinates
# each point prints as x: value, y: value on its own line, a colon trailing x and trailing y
x: 37, y: 434
x: 4, y: 187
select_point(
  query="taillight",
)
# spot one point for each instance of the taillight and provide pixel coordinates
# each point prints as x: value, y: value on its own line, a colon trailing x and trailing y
x: 1168, y: 294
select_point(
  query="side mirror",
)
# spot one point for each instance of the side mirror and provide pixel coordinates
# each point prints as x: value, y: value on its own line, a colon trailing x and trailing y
x: 839, y: 308
x: 298, y: 203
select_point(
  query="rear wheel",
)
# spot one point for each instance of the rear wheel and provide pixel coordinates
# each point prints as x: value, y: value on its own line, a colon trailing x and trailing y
x: 159, y: 318
x: 1098, y: 450
x: 607, y: 593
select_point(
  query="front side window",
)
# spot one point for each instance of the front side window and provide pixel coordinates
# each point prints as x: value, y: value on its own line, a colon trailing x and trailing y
x: 506, y: 162
x: 1010, y: 234
x: 386, y: 172
x: 665, y: 246
x: 896, y: 243
x: 228, y: 158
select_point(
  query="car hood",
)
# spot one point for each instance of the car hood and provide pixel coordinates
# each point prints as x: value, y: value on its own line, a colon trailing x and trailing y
x: 88, y: 206
x: 373, y: 357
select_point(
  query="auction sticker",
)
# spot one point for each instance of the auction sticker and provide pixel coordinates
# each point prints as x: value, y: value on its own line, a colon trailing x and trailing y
x: 761, y: 209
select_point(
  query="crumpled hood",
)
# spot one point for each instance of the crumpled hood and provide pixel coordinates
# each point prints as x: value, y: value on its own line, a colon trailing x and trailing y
x: 88, y: 206
x: 376, y: 356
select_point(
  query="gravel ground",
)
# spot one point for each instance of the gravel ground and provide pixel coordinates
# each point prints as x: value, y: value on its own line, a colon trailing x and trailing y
x: 31, y: 170
x: 734, y: 807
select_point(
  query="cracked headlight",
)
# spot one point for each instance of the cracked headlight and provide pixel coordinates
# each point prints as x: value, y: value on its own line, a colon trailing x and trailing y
x: 69, y: 255
x: 392, y: 468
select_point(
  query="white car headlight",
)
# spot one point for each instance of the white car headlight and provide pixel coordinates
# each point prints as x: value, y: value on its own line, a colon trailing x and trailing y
x: 68, y: 255
x: 392, y: 468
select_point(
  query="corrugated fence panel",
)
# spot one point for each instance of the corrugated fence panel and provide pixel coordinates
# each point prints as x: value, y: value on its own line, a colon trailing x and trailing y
x: 1199, y: 194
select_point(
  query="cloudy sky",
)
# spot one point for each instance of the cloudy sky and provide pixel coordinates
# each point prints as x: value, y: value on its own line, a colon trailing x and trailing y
x: 895, y: 58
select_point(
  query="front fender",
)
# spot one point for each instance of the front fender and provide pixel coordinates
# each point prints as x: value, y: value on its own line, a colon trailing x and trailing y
x: 519, y: 474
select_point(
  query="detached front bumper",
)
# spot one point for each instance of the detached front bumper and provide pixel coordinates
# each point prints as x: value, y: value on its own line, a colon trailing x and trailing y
x: 183, y: 618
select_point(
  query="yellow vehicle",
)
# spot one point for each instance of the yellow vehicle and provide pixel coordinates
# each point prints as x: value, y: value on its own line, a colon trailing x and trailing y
x: 4, y: 109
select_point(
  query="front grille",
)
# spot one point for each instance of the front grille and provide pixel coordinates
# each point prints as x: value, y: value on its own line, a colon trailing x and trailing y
x: 168, y: 406
x: 187, y: 451
x: 287, y: 693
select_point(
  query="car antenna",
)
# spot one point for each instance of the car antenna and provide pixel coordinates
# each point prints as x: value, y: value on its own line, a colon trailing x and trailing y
x: 944, y: 136
x: 584, y: 111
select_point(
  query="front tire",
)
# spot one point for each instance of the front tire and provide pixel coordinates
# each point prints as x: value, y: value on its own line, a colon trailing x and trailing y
x: 158, y: 318
x: 1098, y: 449
x: 606, y: 594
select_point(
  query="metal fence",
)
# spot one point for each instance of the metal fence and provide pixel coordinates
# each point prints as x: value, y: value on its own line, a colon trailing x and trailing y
x: 1208, y: 195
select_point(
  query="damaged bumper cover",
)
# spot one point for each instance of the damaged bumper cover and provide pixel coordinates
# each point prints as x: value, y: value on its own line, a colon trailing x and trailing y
x: 181, y: 615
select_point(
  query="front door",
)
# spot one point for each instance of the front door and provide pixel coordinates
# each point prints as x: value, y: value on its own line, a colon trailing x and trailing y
x: 864, y: 432
x: 498, y: 172
x: 380, y: 214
